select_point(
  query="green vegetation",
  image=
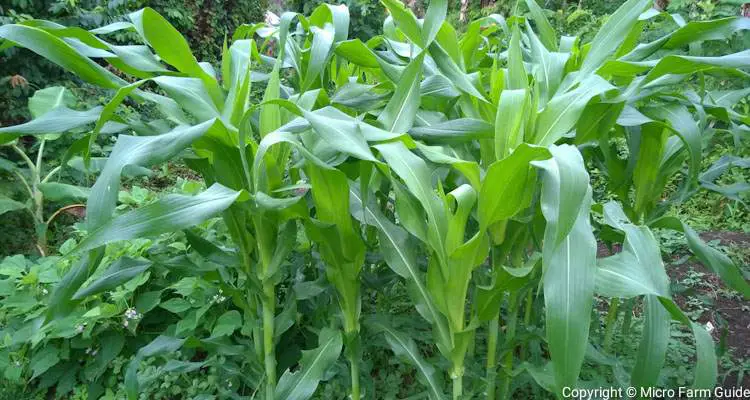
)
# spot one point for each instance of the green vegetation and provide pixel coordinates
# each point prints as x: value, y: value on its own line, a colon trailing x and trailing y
x: 507, y: 209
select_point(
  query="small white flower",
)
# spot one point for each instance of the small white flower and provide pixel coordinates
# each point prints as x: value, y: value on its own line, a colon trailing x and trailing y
x: 125, y: 323
x: 45, y: 291
x: 93, y: 352
x: 710, y: 327
x: 88, y: 350
x: 132, y: 313
x: 229, y: 384
x: 18, y: 363
x: 80, y: 328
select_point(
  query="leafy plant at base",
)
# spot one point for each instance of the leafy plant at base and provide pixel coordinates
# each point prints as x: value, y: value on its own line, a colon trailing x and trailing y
x: 38, y: 186
x: 474, y: 153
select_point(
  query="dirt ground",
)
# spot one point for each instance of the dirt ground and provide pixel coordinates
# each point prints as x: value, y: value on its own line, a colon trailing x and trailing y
x: 729, y: 312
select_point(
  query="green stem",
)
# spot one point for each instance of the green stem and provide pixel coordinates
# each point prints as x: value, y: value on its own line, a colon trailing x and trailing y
x: 26, y: 185
x: 26, y: 158
x: 39, y: 156
x: 36, y: 195
x: 527, y: 316
x: 458, y: 387
x: 529, y: 304
x: 269, y: 357
x: 354, y: 369
x: 628, y: 317
x: 492, y: 355
x: 611, y: 320
x: 51, y: 174
x: 257, y: 332
x: 510, y: 334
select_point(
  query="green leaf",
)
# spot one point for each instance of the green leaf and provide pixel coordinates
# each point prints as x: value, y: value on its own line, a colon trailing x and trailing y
x: 446, y: 155
x: 401, y: 258
x: 227, y: 324
x: 399, y: 113
x: 60, y: 301
x: 7, y: 205
x: 715, y: 260
x: 137, y: 151
x: 433, y: 20
x: 121, y: 271
x: 453, y: 71
x: 652, y: 144
x: 405, y: 20
x: 600, y: 118
x: 301, y: 384
x: 172, y: 47
x: 517, y: 77
x: 47, y: 357
x: 61, y: 53
x: 176, y: 305
x: 568, y: 259
x: 678, y: 65
x: 270, y: 115
x: 108, y: 112
x: 512, y: 108
x: 507, y: 279
x: 611, y: 35
x: 173, y: 212
x: 191, y: 94
x: 639, y: 270
x: 47, y: 99
x: 160, y: 345
x: 693, y: 31
x: 417, y: 177
x: 505, y: 188
x: 562, y: 112
x: 357, y: 53
x: 549, y: 67
x: 55, y: 191
x: 546, y: 31
x: 59, y: 120
x: 406, y: 349
x: 344, y: 136
x: 453, y: 131
x: 319, y: 50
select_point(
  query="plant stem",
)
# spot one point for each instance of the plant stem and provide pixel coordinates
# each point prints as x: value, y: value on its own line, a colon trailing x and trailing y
x: 529, y: 304
x: 492, y: 355
x: 628, y: 317
x: 510, y: 334
x: 61, y: 209
x: 269, y: 357
x: 39, y: 156
x: 458, y: 387
x: 257, y: 332
x: 26, y: 158
x: 611, y: 320
x: 26, y: 185
x: 354, y: 369
x: 51, y: 174
x: 36, y: 196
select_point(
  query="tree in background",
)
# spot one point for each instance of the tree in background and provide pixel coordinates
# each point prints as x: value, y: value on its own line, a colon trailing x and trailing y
x: 205, y: 23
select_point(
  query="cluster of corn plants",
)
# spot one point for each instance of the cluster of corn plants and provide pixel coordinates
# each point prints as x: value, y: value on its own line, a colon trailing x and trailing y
x: 469, y: 151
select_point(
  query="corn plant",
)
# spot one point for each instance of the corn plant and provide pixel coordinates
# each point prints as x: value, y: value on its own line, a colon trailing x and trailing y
x: 473, y: 152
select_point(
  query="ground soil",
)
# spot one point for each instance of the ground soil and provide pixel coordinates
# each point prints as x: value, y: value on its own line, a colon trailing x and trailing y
x: 726, y: 311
